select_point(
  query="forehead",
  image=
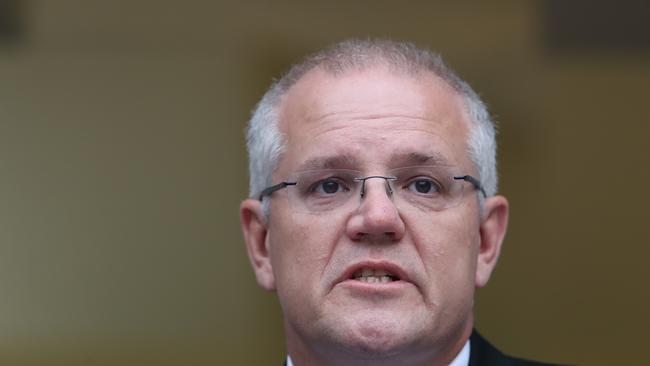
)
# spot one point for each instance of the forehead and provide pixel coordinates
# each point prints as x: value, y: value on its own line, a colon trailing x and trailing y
x: 373, y: 115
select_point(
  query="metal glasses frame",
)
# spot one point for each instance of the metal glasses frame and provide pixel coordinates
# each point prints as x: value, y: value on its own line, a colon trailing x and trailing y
x: 468, y: 178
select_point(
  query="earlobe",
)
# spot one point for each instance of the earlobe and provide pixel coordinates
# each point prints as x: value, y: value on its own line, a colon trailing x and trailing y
x: 256, y: 239
x: 494, y: 223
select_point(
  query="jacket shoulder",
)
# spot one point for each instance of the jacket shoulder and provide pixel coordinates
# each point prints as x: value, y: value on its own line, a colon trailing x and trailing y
x: 482, y: 353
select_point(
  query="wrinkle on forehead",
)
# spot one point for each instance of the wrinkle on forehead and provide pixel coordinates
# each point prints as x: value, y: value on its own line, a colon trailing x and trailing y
x: 397, y: 159
x: 351, y: 116
x: 379, y: 125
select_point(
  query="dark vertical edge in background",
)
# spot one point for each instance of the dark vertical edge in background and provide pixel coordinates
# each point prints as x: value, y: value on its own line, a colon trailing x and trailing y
x: 596, y: 24
x: 12, y: 21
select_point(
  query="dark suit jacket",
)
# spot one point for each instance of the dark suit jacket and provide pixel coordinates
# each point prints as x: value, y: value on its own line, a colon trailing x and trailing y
x: 482, y: 353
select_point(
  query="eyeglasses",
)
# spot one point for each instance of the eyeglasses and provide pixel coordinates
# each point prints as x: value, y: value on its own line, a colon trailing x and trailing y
x: 425, y: 188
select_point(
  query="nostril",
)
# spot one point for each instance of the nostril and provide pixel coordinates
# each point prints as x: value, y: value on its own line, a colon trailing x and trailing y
x: 363, y: 236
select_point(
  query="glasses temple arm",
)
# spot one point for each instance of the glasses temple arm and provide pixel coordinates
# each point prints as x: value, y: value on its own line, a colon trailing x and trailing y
x: 475, y: 182
x: 269, y: 190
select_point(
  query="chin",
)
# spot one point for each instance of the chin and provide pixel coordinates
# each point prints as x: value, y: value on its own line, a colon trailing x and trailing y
x: 378, y: 334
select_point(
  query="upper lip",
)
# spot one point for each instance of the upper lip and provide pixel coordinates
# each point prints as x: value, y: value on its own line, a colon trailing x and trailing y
x: 376, y: 265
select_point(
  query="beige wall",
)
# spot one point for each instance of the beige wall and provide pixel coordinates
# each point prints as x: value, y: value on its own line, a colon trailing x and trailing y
x: 122, y: 166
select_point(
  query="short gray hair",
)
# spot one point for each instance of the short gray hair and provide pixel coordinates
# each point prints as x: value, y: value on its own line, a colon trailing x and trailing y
x: 265, y: 142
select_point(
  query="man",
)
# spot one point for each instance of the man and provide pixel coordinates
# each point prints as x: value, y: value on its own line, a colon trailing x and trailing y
x: 372, y: 208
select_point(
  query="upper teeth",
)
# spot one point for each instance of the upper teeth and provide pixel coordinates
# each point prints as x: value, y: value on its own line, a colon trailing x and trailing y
x: 374, y: 275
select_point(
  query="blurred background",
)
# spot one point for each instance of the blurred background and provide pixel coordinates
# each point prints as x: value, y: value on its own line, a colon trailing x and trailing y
x: 122, y: 165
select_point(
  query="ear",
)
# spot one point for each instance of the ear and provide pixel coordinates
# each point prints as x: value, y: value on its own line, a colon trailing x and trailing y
x: 255, y: 231
x: 494, y: 222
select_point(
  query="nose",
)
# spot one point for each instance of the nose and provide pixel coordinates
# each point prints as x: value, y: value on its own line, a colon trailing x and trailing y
x: 377, y: 218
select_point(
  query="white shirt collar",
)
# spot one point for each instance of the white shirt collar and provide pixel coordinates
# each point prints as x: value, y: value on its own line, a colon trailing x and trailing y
x: 462, y: 358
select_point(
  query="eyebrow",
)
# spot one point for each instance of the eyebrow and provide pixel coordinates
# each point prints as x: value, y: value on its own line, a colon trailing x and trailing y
x: 399, y: 159
x: 416, y: 158
x: 330, y: 162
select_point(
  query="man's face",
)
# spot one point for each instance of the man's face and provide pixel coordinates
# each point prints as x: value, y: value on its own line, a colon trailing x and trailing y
x: 377, y: 120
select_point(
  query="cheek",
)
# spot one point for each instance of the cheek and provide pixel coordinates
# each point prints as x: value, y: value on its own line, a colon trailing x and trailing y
x: 300, y: 253
x: 301, y: 246
x: 447, y: 244
x: 439, y: 233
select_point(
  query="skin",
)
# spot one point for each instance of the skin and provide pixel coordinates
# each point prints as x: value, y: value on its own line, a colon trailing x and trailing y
x: 379, y: 118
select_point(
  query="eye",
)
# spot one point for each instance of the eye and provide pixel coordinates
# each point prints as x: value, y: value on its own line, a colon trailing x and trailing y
x: 424, y: 186
x: 328, y: 187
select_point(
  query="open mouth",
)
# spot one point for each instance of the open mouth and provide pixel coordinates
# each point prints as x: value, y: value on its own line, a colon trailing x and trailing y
x: 370, y: 275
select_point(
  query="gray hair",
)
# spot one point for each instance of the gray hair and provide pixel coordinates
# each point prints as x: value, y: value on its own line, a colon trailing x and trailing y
x: 265, y: 142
